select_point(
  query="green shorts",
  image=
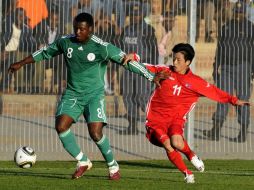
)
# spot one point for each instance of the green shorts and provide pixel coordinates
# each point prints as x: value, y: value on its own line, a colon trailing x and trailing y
x: 92, y: 107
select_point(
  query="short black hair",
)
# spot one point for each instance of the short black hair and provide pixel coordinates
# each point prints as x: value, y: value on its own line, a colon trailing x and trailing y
x: 186, y: 49
x: 85, y: 17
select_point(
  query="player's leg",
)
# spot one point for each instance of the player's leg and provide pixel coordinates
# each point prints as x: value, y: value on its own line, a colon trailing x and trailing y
x: 175, y: 133
x: 160, y: 138
x: 94, y: 114
x: 175, y: 157
x: 68, y: 112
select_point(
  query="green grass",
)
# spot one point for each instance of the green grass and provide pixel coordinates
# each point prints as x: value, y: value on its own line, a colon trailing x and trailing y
x: 152, y: 174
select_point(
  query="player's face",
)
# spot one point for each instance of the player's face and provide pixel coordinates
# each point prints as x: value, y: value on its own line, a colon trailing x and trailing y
x: 179, y: 63
x: 82, y: 31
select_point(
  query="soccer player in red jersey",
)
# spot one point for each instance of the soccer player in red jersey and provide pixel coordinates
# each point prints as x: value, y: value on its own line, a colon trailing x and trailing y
x: 170, y: 104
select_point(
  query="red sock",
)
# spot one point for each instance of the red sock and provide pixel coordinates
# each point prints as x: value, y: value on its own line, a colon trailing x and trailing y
x: 176, y: 158
x: 187, y: 151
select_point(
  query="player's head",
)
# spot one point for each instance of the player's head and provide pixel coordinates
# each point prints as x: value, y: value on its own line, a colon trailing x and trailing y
x: 83, y: 26
x: 183, y: 55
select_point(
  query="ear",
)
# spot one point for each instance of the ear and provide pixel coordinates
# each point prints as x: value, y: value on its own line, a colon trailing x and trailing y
x: 90, y: 29
x: 188, y: 62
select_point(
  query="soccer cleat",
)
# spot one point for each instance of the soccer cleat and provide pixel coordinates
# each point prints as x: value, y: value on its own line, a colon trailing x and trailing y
x: 189, y: 178
x: 114, y: 173
x: 82, y: 167
x: 198, y: 163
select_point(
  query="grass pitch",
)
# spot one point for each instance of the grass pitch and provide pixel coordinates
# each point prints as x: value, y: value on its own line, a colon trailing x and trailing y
x: 149, y: 174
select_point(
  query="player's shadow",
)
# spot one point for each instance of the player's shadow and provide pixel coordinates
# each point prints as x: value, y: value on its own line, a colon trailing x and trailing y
x: 146, y: 165
x: 28, y: 173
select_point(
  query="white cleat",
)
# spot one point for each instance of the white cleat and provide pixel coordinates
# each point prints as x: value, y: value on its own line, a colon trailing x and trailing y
x: 189, y: 178
x: 198, y: 163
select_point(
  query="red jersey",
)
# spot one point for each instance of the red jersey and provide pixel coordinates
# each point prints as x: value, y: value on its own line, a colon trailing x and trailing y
x: 178, y: 95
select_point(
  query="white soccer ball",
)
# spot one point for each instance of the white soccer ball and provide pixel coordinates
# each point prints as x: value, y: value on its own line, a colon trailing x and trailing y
x: 25, y: 157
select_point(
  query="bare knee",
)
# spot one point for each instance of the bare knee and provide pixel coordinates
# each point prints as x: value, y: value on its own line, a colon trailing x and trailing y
x: 167, y: 146
x: 95, y: 131
x: 177, y: 142
x: 96, y: 136
x: 63, y: 123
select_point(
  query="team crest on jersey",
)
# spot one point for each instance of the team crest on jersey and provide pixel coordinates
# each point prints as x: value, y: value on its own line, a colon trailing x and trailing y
x: 188, y: 85
x: 91, y: 57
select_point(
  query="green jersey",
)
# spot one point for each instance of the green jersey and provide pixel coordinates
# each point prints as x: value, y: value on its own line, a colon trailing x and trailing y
x: 86, y: 62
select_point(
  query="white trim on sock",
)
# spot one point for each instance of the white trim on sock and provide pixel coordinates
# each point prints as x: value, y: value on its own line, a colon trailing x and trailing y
x: 102, y: 139
x: 79, y: 156
x: 111, y: 163
x: 65, y: 133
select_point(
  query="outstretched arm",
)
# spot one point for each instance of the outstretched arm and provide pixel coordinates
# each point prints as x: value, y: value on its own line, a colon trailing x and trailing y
x: 140, y: 69
x: 44, y: 53
x: 157, y: 76
x: 16, y: 66
x: 242, y: 103
x: 114, y: 54
x: 208, y: 90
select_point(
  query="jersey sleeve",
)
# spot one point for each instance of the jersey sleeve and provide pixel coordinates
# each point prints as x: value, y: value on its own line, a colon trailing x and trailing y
x: 116, y: 55
x: 156, y: 68
x: 48, y: 51
x: 211, y: 91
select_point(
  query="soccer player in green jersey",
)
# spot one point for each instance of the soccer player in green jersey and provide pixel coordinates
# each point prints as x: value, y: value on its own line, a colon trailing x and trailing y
x: 86, y: 58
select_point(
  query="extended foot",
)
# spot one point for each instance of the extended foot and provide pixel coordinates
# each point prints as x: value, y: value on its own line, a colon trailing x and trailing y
x: 82, y: 167
x: 114, y: 172
x: 198, y: 163
x: 189, y: 178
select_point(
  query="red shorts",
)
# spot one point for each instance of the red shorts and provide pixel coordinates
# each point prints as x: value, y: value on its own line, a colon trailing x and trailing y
x: 159, y: 133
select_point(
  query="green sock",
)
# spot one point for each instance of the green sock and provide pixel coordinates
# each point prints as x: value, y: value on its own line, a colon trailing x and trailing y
x: 70, y: 145
x: 106, y: 151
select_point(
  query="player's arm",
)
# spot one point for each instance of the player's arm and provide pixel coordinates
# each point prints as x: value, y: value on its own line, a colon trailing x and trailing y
x: 116, y: 55
x: 212, y: 92
x: 16, y: 66
x: 159, y: 72
x: 44, y: 53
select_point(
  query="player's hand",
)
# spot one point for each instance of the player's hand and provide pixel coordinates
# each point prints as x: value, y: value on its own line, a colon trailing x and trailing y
x: 14, y: 67
x: 162, y: 75
x: 131, y: 57
x: 242, y: 103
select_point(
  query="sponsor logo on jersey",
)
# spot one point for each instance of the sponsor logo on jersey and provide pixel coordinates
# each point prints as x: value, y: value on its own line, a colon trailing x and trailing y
x: 80, y: 48
x: 91, y: 57
x: 171, y: 78
x: 208, y: 85
x: 188, y: 85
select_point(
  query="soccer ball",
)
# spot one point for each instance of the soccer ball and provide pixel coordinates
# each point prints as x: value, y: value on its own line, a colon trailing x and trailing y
x: 25, y: 157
